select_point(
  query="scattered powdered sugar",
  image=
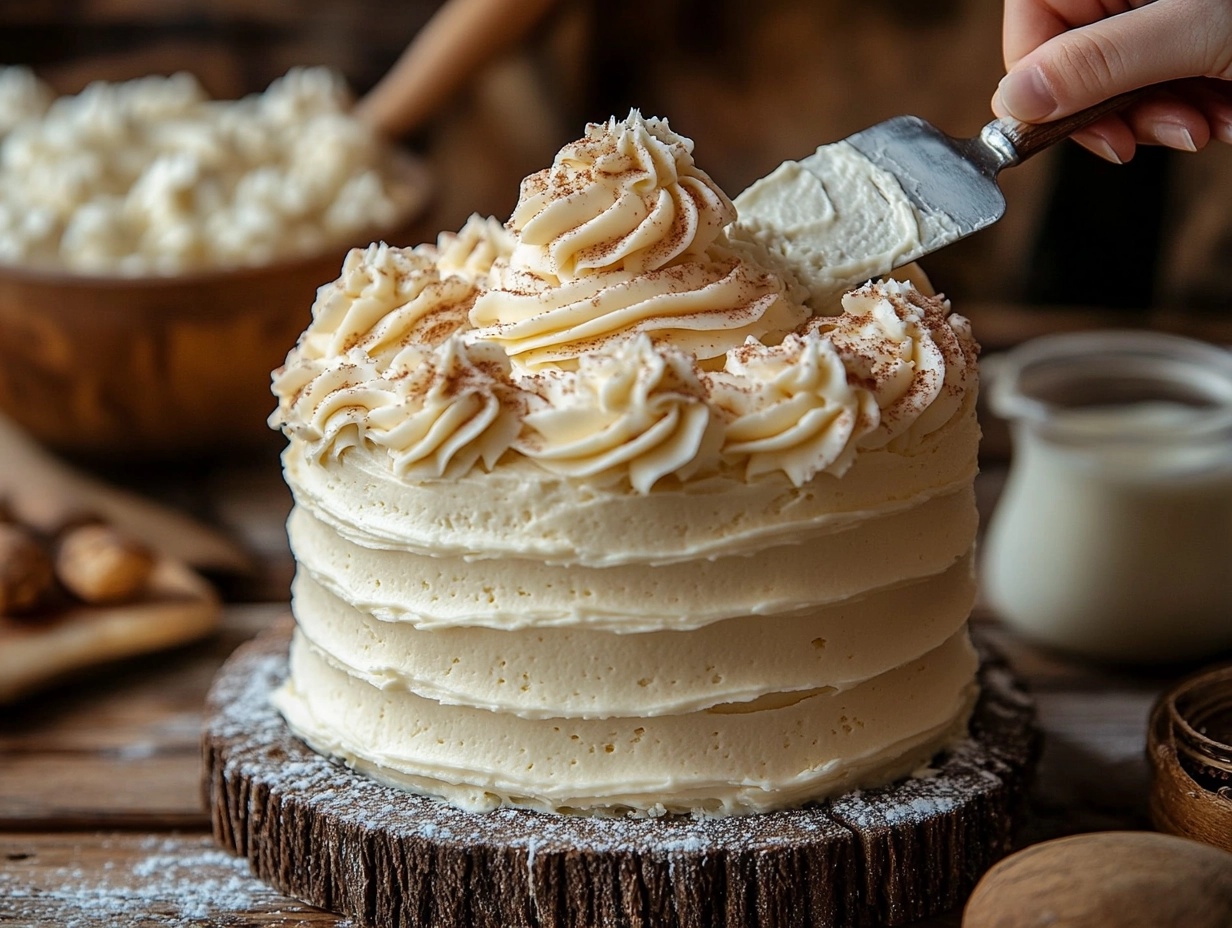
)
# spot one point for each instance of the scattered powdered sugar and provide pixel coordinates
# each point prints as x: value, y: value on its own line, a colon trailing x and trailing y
x: 172, y: 882
x: 864, y: 811
x: 685, y: 845
x: 243, y: 700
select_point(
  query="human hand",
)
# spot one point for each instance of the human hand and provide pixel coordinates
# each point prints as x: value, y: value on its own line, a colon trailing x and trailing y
x: 1065, y: 55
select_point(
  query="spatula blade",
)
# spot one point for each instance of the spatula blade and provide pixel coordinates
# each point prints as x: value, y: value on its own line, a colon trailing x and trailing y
x: 950, y: 182
x: 856, y: 209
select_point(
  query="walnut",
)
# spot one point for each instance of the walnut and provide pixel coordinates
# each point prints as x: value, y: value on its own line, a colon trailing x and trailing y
x: 26, y: 576
x: 98, y: 564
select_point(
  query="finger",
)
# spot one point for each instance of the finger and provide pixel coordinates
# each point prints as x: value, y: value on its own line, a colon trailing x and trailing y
x: 1110, y: 137
x: 1028, y: 24
x: 1162, y: 41
x: 1214, y: 99
x: 1166, y: 119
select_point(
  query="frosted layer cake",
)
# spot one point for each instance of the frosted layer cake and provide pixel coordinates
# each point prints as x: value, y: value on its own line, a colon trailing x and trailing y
x: 612, y: 509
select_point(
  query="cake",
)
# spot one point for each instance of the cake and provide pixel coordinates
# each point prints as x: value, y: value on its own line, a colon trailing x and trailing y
x: 603, y: 511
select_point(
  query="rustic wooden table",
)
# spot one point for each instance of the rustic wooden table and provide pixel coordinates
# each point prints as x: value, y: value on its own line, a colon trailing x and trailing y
x: 101, y: 816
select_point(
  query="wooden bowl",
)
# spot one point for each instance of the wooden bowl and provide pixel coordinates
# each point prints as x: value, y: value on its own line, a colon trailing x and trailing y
x: 123, y: 368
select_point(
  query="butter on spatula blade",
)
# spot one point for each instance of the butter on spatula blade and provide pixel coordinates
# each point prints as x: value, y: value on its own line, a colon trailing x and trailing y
x: 886, y: 196
x: 957, y: 178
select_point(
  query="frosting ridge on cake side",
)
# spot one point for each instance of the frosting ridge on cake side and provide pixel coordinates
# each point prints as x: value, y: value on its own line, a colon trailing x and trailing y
x: 594, y: 513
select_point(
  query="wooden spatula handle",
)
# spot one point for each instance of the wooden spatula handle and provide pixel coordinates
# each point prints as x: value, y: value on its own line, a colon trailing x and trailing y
x: 1031, y: 138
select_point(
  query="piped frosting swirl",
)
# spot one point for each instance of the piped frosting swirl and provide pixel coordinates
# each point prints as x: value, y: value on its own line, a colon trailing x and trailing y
x: 633, y: 409
x: 612, y: 332
x: 626, y: 196
x: 385, y: 299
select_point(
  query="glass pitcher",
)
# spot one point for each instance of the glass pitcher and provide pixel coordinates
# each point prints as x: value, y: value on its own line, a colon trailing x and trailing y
x: 1113, y: 537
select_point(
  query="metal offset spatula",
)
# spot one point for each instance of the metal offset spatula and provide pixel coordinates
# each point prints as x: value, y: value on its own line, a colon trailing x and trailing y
x: 956, y: 179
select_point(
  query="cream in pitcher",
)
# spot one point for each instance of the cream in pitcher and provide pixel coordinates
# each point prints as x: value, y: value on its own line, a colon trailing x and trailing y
x: 1114, y: 534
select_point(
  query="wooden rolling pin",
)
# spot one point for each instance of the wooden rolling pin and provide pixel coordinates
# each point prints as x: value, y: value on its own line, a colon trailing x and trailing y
x: 460, y: 38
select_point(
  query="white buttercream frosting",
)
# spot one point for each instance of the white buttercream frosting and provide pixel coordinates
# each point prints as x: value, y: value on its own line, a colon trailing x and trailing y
x: 836, y: 219
x: 471, y: 252
x: 532, y: 671
x: 435, y: 591
x: 703, y: 305
x: 594, y: 513
x: 520, y: 510
x: 621, y: 236
x: 626, y: 196
x: 633, y: 410
x: 722, y: 760
x: 892, y: 362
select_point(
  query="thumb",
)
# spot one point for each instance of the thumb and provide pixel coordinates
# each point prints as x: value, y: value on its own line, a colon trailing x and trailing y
x: 1162, y: 41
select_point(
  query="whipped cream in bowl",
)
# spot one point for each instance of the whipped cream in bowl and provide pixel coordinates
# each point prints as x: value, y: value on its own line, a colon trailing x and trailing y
x: 158, y: 249
x: 151, y: 178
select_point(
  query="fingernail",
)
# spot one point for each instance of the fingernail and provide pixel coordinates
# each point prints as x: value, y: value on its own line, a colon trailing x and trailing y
x: 1026, y: 95
x: 1101, y: 147
x: 1223, y: 132
x: 1174, y: 135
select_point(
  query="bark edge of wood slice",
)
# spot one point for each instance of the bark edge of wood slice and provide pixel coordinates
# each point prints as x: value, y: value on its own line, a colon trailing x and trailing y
x: 339, y: 840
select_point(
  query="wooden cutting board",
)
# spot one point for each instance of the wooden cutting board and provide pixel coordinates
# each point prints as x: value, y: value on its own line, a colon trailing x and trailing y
x: 44, y: 492
x: 177, y: 606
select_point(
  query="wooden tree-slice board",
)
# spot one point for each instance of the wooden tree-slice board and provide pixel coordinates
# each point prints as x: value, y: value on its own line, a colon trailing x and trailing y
x: 342, y: 841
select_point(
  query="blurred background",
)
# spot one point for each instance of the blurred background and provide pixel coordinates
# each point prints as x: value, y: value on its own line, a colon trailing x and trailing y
x: 1084, y: 245
x: 752, y: 84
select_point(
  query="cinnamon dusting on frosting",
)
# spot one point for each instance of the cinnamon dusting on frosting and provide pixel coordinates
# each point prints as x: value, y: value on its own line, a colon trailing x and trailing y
x: 613, y: 331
